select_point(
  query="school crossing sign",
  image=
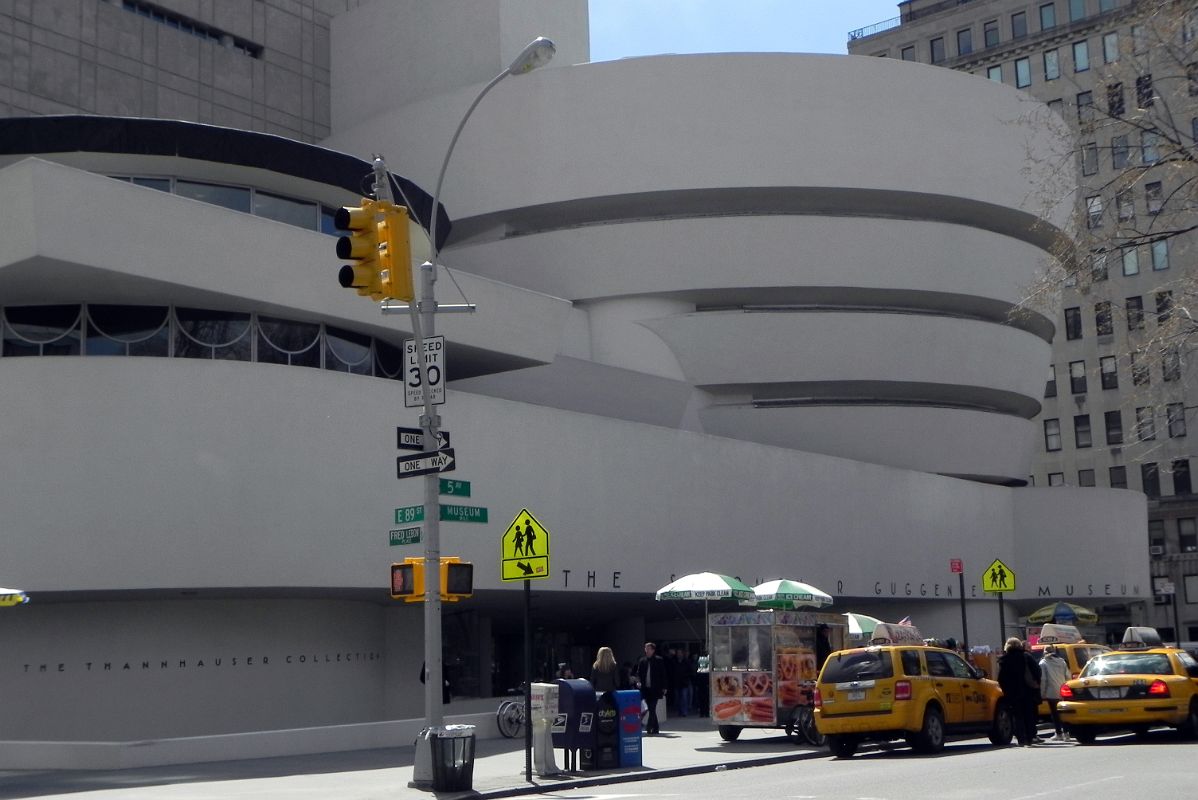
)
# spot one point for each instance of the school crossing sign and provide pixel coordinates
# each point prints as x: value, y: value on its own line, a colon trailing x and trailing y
x: 524, y: 549
x: 998, y: 578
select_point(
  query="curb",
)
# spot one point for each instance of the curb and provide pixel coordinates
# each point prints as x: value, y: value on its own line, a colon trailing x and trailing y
x: 653, y: 774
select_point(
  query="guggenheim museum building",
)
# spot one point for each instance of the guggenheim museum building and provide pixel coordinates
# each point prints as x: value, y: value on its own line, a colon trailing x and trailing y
x: 741, y: 313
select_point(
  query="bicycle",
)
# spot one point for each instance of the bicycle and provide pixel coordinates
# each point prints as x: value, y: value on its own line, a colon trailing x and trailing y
x: 801, y: 723
x: 510, y: 717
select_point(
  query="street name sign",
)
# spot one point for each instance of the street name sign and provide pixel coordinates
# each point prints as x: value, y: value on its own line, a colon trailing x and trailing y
x: 998, y: 578
x: 452, y: 513
x: 455, y: 488
x: 413, y: 439
x: 409, y: 514
x: 425, y: 463
x: 405, y: 536
x: 524, y: 549
x: 434, y: 357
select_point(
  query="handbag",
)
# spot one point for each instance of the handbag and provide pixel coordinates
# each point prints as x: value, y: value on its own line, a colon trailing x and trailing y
x: 1029, y: 678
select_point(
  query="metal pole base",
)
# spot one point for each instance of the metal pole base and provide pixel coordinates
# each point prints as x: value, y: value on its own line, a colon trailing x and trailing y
x: 422, y: 767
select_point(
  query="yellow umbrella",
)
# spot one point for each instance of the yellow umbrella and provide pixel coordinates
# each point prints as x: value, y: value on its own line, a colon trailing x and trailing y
x: 1063, y: 613
x: 12, y: 597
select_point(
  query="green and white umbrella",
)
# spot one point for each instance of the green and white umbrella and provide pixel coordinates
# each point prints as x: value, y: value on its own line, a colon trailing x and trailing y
x: 861, y: 626
x: 785, y: 593
x: 707, y: 586
x: 12, y: 597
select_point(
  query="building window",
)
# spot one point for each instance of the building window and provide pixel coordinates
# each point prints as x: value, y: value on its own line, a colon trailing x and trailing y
x: 1052, y: 65
x: 990, y: 33
x: 908, y: 53
x: 1085, y: 107
x: 964, y: 42
x: 1077, y: 10
x: 1139, y: 43
x: 1145, y: 424
x: 1073, y: 323
x: 1048, y: 16
x: 1058, y: 106
x: 1052, y: 435
x: 1160, y: 254
x: 1119, y: 151
x: 1105, y: 6
x: 1164, y: 305
x: 1081, y: 56
x: 1081, y: 431
x: 1181, y: 477
x: 1056, y: 479
x: 1018, y: 25
x: 1089, y: 158
x: 1176, y: 414
x: 1192, y: 78
x: 1135, y: 313
x: 1050, y: 386
x: 1187, y: 535
x: 1150, y: 479
x: 1098, y: 272
x: 1170, y: 363
x: 1156, y: 533
x: 1144, y: 93
x: 1085, y: 477
x: 1125, y: 202
x: 1077, y: 377
x: 938, y: 50
x: 1102, y: 318
x: 994, y: 73
x: 1023, y: 73
x: 1131, y: 260
x: 1110, y: 48
x: 1118, y: 477
x: 1139, y: 369
x: 1149, y: 152
x: 1094, y: 211
x: 1115, y: 105
x: 1153, y: 196
x: 1108, y: 369
x: 1114, y: 427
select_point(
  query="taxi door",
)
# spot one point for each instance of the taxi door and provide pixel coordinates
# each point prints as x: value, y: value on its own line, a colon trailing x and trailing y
x: 948, y: 686
x: 974, y: 702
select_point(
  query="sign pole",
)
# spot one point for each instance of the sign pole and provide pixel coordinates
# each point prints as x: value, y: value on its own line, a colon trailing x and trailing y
x: 1002, y: 622
x: 528, y: 681
x: 964, y: 621
x: 1176, y: 623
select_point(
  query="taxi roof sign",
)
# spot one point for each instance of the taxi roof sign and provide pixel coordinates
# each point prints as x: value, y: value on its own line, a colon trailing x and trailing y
x: 1054, y: 633
x: 893, y: 633
x: 1139, y: 637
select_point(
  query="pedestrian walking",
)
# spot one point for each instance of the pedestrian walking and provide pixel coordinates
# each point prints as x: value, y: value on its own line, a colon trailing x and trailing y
x: 1019, y: 677
x: 651, y: 679
x: 1053, y: 673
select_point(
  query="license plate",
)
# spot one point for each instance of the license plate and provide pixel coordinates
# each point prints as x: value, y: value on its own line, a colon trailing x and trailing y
x: 857, y: 694
x: 1109, y: 694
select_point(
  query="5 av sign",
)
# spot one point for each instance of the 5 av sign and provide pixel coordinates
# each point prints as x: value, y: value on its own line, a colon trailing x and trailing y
x: 434, y: 357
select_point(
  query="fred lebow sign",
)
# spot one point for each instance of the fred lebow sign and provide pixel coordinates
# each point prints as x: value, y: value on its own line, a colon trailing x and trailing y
x: 998, y: 578
x: 524, y: 549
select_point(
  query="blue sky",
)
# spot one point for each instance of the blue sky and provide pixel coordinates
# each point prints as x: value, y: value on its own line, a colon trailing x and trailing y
x: 622, y: 28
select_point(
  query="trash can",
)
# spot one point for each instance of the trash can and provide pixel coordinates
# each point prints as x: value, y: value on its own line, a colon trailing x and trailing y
x: 453, y: 758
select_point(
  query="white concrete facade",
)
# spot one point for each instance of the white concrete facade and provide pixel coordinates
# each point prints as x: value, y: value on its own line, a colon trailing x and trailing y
x: 698, y: 346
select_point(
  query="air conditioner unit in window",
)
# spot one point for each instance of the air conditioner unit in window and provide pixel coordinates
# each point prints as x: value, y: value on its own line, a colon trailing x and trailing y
x: 1156, y: 550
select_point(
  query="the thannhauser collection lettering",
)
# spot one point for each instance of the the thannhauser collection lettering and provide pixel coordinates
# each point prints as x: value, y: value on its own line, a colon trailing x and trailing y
x: 222, y: 662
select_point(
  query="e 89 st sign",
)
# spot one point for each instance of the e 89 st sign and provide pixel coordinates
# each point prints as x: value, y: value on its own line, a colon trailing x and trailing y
x: 434, y: 358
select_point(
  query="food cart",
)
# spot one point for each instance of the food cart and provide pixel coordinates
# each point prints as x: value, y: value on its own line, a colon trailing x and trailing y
x: 764, y: 668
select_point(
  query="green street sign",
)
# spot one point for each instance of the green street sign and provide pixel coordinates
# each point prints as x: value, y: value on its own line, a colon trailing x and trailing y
x: 405, y: 536
x: 455, y: 488
x: 463, y: 514
x: 409, y: 514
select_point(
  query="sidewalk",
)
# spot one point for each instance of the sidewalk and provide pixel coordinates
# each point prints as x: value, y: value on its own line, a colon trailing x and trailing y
x: 686, y: 745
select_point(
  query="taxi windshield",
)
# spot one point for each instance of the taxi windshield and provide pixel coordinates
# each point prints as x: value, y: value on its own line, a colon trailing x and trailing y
x: 858, y: 665
x: 1128, y: 664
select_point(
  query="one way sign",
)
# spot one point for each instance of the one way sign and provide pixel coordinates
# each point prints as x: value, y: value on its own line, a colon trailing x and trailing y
x: 425, y: 463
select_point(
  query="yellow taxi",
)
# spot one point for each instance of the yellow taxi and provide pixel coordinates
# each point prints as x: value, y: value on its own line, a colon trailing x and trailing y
x: 899, y: 688
x: 1138, y: 685
x: 1071, y: 646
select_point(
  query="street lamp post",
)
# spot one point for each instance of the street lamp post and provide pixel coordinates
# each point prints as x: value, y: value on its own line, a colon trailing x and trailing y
x: 423, y: 316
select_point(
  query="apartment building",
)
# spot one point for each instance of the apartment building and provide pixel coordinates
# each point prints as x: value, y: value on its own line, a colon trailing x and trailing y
x: 1123, y: 74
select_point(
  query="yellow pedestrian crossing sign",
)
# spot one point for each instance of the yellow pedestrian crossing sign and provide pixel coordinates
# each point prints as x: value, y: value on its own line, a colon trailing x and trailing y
x: 524, y: 549
x: 998, y: 578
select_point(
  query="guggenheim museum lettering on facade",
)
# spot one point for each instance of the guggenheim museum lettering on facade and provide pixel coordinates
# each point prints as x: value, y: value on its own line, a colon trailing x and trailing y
x: 740, y: 313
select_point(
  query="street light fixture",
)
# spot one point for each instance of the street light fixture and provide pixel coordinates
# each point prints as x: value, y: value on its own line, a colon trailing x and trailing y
x: 423, y: 315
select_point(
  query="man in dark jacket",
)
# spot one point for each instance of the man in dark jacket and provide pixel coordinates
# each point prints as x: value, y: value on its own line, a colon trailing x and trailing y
x: 1019, y: 677
x: 652, y: 680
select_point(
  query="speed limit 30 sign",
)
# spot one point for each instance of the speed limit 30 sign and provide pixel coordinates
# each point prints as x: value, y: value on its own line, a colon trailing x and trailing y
x: 434, y: 357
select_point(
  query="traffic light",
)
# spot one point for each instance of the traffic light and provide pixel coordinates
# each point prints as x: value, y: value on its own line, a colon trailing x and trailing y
x: 407, y: 580
x: 395, y: 255
x: 457, y: 579
x: 378, y: 245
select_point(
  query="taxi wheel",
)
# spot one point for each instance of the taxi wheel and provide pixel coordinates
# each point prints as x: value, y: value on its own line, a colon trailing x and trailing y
x: 1189, y: 728
x: 931, y: 735
x: 1004, y: 725
x: 1084, y: 736
x: 842, y: 746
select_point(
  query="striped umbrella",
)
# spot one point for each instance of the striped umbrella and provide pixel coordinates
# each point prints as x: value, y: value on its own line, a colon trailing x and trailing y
x: 12, y: 597
x: 790, y: 594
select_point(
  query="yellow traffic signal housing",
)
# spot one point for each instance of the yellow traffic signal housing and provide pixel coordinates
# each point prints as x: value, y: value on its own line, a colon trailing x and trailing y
x: 395, y: 253
x: 457, y: 579
x: 407, y: 580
